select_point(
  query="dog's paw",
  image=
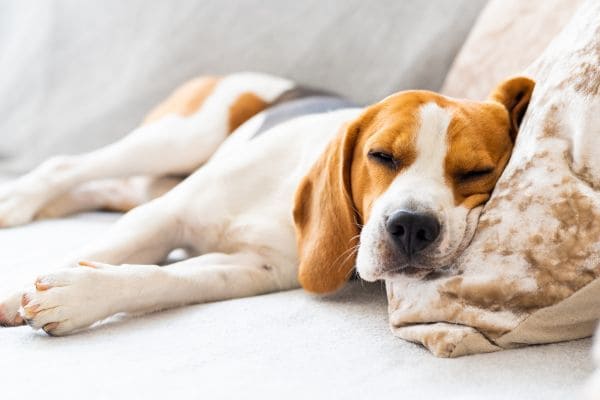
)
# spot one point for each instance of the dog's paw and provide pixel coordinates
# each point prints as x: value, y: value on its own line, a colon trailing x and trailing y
x: 69, y: 300
x: 9, y: 311
x: 23, y: 198
x: 18, y: 206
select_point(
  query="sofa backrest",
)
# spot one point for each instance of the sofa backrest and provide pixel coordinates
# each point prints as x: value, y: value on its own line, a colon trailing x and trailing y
x: 77, y: 75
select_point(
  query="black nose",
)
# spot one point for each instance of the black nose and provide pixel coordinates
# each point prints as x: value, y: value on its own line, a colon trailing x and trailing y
x: 411, y: 231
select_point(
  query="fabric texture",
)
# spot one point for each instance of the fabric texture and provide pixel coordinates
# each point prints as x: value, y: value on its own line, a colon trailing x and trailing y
x: 64, y: 92
x: 287, y: 345
x: 530, y: 274
x: 78, y: 75
x: 507, y: 37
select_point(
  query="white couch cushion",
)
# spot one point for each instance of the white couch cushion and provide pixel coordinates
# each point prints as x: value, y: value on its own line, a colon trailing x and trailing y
x: 285, y: 345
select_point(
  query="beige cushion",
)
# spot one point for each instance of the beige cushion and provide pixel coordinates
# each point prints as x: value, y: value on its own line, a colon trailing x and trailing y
x: 507, y: 37
x: 530, y: 273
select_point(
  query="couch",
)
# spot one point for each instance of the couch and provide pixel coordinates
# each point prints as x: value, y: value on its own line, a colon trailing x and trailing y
x: 77, y: 76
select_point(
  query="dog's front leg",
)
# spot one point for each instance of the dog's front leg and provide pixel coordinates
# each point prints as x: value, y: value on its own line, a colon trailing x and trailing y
x: 72, y: 299
x: 145, y: 235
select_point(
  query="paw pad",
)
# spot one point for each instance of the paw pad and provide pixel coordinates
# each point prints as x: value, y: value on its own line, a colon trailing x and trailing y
x: 87, y: 264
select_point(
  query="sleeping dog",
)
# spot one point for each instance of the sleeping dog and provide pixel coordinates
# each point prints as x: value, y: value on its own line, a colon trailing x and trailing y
x: 283, y: 186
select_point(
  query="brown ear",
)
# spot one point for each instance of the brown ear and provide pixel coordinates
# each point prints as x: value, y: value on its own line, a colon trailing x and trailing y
x: 514, y: 94
x: 326, y: 225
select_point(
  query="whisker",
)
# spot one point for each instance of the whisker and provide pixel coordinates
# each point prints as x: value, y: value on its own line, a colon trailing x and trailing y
x: 353, y: 207
x: 335, y: 264
x: 352, y: 253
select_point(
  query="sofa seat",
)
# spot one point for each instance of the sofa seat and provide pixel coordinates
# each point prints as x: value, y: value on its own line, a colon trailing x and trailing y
x: 284, y: 345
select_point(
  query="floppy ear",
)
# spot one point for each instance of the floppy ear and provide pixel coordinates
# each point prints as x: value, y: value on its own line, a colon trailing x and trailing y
x: 326, y: 225
x: 514, y: 94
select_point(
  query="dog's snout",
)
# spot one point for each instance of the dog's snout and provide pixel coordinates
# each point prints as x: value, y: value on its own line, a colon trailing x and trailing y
x: 412, y: 231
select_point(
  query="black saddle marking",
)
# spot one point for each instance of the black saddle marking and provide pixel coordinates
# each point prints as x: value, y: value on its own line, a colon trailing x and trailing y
x: 298, y: 102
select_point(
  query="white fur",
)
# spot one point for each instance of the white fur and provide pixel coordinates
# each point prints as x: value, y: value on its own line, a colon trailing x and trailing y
x: 422, y: 188
x: 233, y: 215
x: 172, y: 145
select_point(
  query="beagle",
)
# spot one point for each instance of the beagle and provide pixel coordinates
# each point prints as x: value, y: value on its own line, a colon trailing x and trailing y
x: 282, y: 186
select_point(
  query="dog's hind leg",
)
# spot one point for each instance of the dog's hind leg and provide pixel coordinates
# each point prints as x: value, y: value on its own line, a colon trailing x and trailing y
x: 75, y: 298
x: 172, y: 142
x: 120, y: 195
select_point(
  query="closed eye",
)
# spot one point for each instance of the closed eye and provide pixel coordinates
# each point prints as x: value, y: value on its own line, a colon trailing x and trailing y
x: 384, y: 158
x: 475, y: 174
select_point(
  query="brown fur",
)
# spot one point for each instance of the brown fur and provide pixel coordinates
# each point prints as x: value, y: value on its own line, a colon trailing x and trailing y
x: 325, y: 218
x: 246, y: 106
x: 125, y: 194
x: 336, y: 196
x: 477, y: 139
x: 185, y: 100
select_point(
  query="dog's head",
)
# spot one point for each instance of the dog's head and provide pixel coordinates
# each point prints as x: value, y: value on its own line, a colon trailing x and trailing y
x: 400, y: 189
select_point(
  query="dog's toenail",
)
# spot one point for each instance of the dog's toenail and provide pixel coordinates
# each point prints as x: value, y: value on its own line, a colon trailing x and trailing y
x: 31, y: 310
x: 49, y: 327
x: 25, y: 300
x: 87, y: 264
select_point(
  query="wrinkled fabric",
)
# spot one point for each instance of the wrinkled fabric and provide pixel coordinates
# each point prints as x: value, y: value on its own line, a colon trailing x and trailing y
x: 507, y: 37
x: 530, y: 273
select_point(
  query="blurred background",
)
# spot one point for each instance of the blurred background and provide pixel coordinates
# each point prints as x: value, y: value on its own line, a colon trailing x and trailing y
x: 76, y: 75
